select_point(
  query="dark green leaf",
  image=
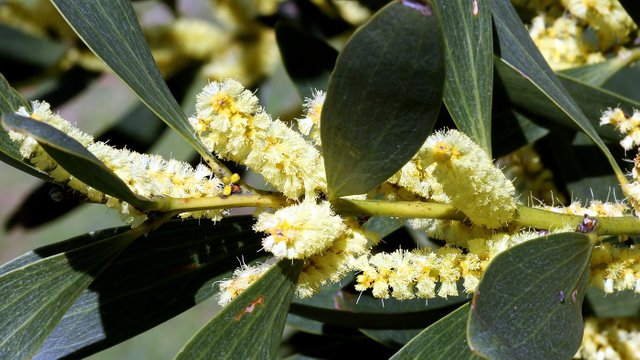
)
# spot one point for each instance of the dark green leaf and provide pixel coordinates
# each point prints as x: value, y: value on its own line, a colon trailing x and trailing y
x: 156, y: 278
x: 111, y: 30
x: 383, y: 98
x: 74, y: 158
x: 468, y: 44
x: 308, y: 60
x: 446, y: 339
x: 348, y: 308
x: 598, y: 74
x: 250, y: 327
x: 35, y: 293
x: 526, y: 96
x: 529, y: 302
x: 10, y: 101
x: 29, y: 49
x: 518, y: 52
x: 619, y: 304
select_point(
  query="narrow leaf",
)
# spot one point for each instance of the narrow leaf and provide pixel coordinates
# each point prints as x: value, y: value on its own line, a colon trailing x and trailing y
x: 529, y: 302
x: 250, y: 326
x: 308, y: 60
x: 158, y: 277
x: 598, y: 74
x: 35, y: 296
x: 10, y: 101
x: 468, y: 44
x: 518, y: 51
x: 446, y: 339
x: 29, y: 49
x: 74, y: 158
x: 383, y: 98
x: 110, y: 29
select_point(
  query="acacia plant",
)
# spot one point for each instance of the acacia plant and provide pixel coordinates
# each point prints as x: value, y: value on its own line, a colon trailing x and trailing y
x: 378, y: 209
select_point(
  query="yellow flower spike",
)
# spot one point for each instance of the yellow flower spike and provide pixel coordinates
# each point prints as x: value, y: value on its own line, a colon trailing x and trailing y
x: 300, y: 231
x: 235, y: 178
x: 610, y: 338
x: 469, y: 178
x: 146, y: 175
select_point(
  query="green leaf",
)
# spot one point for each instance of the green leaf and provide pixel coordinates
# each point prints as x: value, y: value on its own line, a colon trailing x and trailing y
x: 518, y: 52
x: 10, y: 101
x: 29, y: 49
x: 308, y: 59
x: 468, y: 44
x: 592, y: 100
x: 446, y: 339
x: 619, y: 304
x: 383, y: 98
x: 598, y: 74
x: 156, y: 278
x: 110, y: 29
x: 251, y: 325
x: 34, y: 295
x: 74, y: 158
x: 528, y: 304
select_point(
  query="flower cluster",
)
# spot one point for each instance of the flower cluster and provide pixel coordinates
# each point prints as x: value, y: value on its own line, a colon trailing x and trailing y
x: 146, y: 175
x: 409, y: 274
x: 231, y: 123
x: 627, y: 125
x: 560, y: 30
x: 469, y: 178
x: 300, y: 231
x: 615, y: 268
x: 610, y: 339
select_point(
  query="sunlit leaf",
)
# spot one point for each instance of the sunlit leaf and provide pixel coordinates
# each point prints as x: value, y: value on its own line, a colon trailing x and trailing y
x: 158, y: 277
x: 468, y: 45
x: 529, y: 301
x: 259, y: 314
x: 383, y: 98
x: 446, y: 339
x: 518, y: 52
x: 35, y: 294
x: 110, y: 29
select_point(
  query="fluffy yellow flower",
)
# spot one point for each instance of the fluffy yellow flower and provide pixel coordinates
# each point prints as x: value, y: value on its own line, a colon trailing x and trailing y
x: 469, y: 178
x: 610, y: 339
x: 628, y: 125
x: 146, y: 175
x: 608, y: 18
x: 332, y: 264
x: 300, y: 231
x: 230, y: 122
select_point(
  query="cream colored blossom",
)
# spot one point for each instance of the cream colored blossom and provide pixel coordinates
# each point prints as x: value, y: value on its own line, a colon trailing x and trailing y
x: 300, y: 231
x: 230, y: 122
x: 614, y: 268
x: 608, y: 18
x: 332, y: 264
x: 146, y: 175
x: 469, y: 178
x: 242, y: 278
x: 617, y: 338
x: 627, y: 125
x: 561, y: 42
